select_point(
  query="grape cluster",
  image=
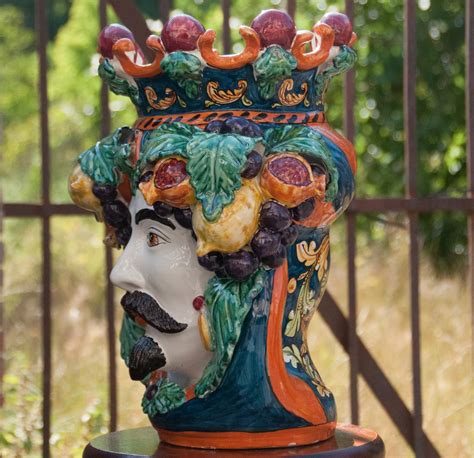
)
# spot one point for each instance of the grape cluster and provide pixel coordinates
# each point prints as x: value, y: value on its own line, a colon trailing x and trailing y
x: 116, y: 213
x: 184, y: 216
x: 276, y: 232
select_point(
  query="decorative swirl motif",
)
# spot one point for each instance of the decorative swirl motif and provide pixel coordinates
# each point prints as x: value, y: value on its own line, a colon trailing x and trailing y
x: 223, y: 97
x: 231, y: 61
x: 289, y: 99
x: 164, y: 103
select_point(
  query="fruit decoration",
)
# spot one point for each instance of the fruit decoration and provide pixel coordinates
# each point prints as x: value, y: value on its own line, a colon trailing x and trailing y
x: 81, y: 191
x: 170, y: 184
x: 236, y: 225
x: 181, y: 33
x: 112, y: 33
x: 341, y: 25
x: 274, y: 27
x: 289, y: 179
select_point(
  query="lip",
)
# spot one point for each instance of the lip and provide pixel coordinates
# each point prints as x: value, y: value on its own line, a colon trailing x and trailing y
x: 138, y: 303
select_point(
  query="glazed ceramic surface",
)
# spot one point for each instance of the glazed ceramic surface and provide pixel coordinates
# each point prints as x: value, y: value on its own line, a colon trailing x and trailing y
x: 221, y: 196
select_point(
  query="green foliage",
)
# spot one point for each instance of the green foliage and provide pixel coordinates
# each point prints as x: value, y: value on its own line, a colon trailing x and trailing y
x: 214, y: 166
x: 117, y: 85
x: 227, y: 304
x: 106, y: 159
x: 130, y: 332
x: 342, y: 63
x: 302, y: 139
x: 168, y: 396
x: 274, y: 65
x: 186, y: 70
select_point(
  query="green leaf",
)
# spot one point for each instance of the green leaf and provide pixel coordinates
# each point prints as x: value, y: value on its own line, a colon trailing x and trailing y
x: 130, y: 332
x: 227, y: 304
x: 186, y: 70
x: 117, y: 85
x: 166, y: 140
x: 344, y: 61
x: 215, y: 163
x: 104, y: 161
x: 272, y: 67
x: 303, y: 140
x: 168, y: 396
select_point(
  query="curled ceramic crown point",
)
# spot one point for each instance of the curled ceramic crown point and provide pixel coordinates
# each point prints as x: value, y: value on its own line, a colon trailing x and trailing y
x: 231, y: 61
x: 314, y: 58
x: 125, y: 45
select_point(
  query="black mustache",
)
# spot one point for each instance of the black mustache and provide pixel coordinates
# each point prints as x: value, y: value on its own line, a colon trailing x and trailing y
x: 143, y: 305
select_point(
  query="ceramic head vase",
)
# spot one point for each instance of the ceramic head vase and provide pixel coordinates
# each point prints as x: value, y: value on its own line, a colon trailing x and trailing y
x: 221, y: 196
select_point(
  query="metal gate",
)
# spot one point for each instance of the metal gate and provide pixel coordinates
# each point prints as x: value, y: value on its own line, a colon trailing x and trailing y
x: 362, y: 362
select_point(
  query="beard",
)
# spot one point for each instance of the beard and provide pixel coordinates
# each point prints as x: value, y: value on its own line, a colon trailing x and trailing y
x: 146, y: 307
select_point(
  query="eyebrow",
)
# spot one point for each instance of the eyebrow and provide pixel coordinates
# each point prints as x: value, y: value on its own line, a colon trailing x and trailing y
x: 146, y: 213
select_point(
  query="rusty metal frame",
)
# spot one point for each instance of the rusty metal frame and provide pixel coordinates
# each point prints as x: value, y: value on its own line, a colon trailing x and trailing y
x: 345, y: 329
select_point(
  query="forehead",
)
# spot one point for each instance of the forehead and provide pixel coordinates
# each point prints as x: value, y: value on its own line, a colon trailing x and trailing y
x: 138, y: 203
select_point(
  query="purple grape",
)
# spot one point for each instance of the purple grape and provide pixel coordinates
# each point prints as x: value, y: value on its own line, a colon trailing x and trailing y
x: 214, y: 127
x: 126, y: 135
x: 252, y: 166
x: 241, y: 126
x: 146, y: 177
x: 151, y: 391
x: 104, y: 192
x: 116, y: 214
x: 275, y: 216
x: 123, y: 235
x: 275, y: 260
x: 289, y: 235
x: 240, y: 265
x: 162, y: 209
x: 221, y: 273
x: 265, y: 242
x: 211, y: 261
x: 303, y: 210
x: 184, y: 216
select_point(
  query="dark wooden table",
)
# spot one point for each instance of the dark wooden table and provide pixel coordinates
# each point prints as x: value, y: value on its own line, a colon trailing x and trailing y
x: 349, y: 441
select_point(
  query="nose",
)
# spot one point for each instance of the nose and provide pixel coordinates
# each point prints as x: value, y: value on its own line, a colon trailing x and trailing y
x: 126, y: 273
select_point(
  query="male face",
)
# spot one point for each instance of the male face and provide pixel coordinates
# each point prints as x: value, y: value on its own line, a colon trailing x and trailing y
x: 159, y: 270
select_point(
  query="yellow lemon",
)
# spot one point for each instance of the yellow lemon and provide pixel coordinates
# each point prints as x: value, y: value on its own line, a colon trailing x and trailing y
x: 235, y: 227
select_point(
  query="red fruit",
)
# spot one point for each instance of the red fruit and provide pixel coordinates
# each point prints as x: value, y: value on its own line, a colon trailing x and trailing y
x: 290, y: 170
x: 341, y: 25
x: 181, y: 33
x: 274, y: 27
x: 109, y: 35
x: 198, y: 302
x: 170, y: 173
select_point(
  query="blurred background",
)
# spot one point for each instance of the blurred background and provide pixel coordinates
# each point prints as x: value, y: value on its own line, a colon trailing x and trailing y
x: 374, y: 285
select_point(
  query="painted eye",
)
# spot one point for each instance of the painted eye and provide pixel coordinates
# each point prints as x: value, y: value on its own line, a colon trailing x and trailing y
x: 152, y: 239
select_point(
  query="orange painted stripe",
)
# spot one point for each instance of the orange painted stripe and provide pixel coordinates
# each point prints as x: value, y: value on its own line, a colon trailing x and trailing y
x: 292, y: 437
x: 340, y: 141
x: 292, y: 392
x: 202, y: 118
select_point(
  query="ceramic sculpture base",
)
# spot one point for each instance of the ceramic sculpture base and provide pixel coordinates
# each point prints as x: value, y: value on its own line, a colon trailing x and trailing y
x: 349, y: 441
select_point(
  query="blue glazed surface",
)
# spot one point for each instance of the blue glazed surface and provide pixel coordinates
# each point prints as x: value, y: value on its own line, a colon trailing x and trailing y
x: 227, y: 80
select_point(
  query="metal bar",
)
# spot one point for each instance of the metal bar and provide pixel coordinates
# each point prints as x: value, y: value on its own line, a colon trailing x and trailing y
x: 109, y: 293
x: 376, y: 379
x: 352, y: 296
x: 164, y: 9
x: 370, y: 205
x: 130, y: 15
x: 42, y: 42
x: 2, y: 335
x: 470, y: 141
x: 415, y: 204
x: 291, y: 8
x: 349, y: 130
x: 409, y: 104
x: 226, y: 41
